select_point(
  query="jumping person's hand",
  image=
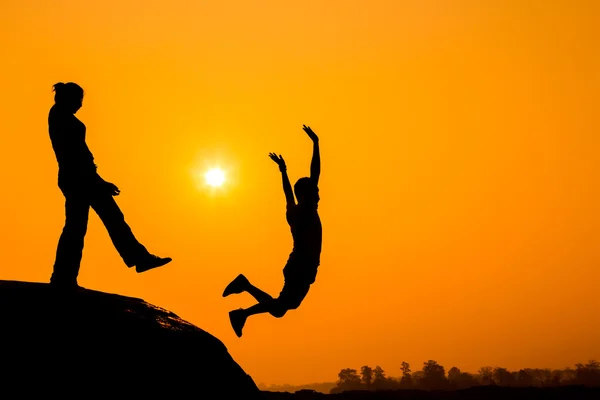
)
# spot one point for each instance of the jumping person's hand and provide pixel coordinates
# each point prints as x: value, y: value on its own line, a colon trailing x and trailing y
x: 279, y: 161
x: 313, y: 136
x: 111, y: 188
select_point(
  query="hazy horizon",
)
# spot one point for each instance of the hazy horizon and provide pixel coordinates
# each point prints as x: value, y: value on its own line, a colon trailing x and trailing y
x: 396, y: 373
x: 459, y: 186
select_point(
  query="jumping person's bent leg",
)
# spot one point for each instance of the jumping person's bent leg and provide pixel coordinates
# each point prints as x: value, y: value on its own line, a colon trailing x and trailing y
x: 242, y: 284
x: 236, y: 286
x: 296, y: 286
x: 70, y: 245
x: 238, y: 317
x: 259, y: 295
x: 290, y: 298
x: 130, y: 249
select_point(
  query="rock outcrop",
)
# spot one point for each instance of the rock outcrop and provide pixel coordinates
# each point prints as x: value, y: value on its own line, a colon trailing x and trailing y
x: 88, y: 344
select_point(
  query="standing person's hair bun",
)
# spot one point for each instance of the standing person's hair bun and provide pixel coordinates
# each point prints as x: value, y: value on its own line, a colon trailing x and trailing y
x: 69, y: 92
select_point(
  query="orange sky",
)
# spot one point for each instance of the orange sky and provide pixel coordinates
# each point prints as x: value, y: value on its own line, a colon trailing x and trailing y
x: 459, y: 185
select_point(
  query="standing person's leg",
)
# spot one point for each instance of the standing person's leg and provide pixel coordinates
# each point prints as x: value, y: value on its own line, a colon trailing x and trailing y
x: 130, y: 249
x: 70, y: 245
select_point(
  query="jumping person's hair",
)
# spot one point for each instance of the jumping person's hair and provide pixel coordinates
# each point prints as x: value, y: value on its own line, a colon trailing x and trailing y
x: 304, y: 186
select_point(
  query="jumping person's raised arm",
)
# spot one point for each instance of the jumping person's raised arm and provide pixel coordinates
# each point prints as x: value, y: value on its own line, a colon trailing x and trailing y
x: 315, y: 163
x: 287, y: 186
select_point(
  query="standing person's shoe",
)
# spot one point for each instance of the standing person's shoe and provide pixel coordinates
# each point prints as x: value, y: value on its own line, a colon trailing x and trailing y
x: 150, y: 262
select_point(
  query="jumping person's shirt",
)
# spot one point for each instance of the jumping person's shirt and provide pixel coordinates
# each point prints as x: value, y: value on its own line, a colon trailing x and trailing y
x: 67, y: 134
x: 306, y: 230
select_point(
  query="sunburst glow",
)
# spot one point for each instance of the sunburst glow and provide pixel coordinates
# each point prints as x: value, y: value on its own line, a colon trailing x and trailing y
x: 214, y: 177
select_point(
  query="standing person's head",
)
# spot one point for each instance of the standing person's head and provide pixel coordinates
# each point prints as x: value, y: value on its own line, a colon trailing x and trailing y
x: 68, y: 95
x: 307, y: 192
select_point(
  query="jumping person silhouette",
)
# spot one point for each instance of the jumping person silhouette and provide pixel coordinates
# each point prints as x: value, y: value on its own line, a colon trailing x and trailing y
x: 84, y: 188
x: 301, y: 269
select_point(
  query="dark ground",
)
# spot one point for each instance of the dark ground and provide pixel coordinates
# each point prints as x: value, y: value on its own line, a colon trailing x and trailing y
x: 89, y: 344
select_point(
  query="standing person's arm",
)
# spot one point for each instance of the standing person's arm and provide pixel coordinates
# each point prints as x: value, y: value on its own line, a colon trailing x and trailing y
x: 68, y: 151
x: 110, y: 187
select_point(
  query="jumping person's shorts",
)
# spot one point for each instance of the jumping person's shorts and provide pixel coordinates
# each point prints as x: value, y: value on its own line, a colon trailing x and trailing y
x: 298, y: 275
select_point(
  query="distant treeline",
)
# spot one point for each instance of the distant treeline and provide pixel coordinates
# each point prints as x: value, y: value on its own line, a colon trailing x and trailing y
x: 433, y: 376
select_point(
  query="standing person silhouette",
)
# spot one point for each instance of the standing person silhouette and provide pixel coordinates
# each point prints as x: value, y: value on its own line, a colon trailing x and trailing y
x: 84, y: 188
x: 301, y: 269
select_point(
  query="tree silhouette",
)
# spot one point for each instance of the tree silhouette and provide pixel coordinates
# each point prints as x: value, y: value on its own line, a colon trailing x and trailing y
x: 348, y: 379
x: 379, y: 373
x: 453, y: 373
x: 524, y: 378
x: 406, y: 380
x: 503, y: 377
x: 544, y: 376
x: 568, y: 375
x: 379, y: 378
x: 454, y: 376
x: 405, y: 368
x: 557, y: 376
x: 366, y: 373
x: 434, y: 375
x: 466, y: 380
x: 486, y: 375
x: 588, y: 374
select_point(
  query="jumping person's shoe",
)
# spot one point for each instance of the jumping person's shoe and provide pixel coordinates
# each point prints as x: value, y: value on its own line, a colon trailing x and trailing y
x: 238, y: 320
x: 150, y: 262
x: 236, y: 286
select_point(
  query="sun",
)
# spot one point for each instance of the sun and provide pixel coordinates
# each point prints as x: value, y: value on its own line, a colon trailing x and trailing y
x: 214, y: 177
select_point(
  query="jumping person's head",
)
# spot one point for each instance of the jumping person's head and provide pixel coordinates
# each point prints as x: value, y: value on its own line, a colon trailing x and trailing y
x: 68, y: 95
x: 307, y: 192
